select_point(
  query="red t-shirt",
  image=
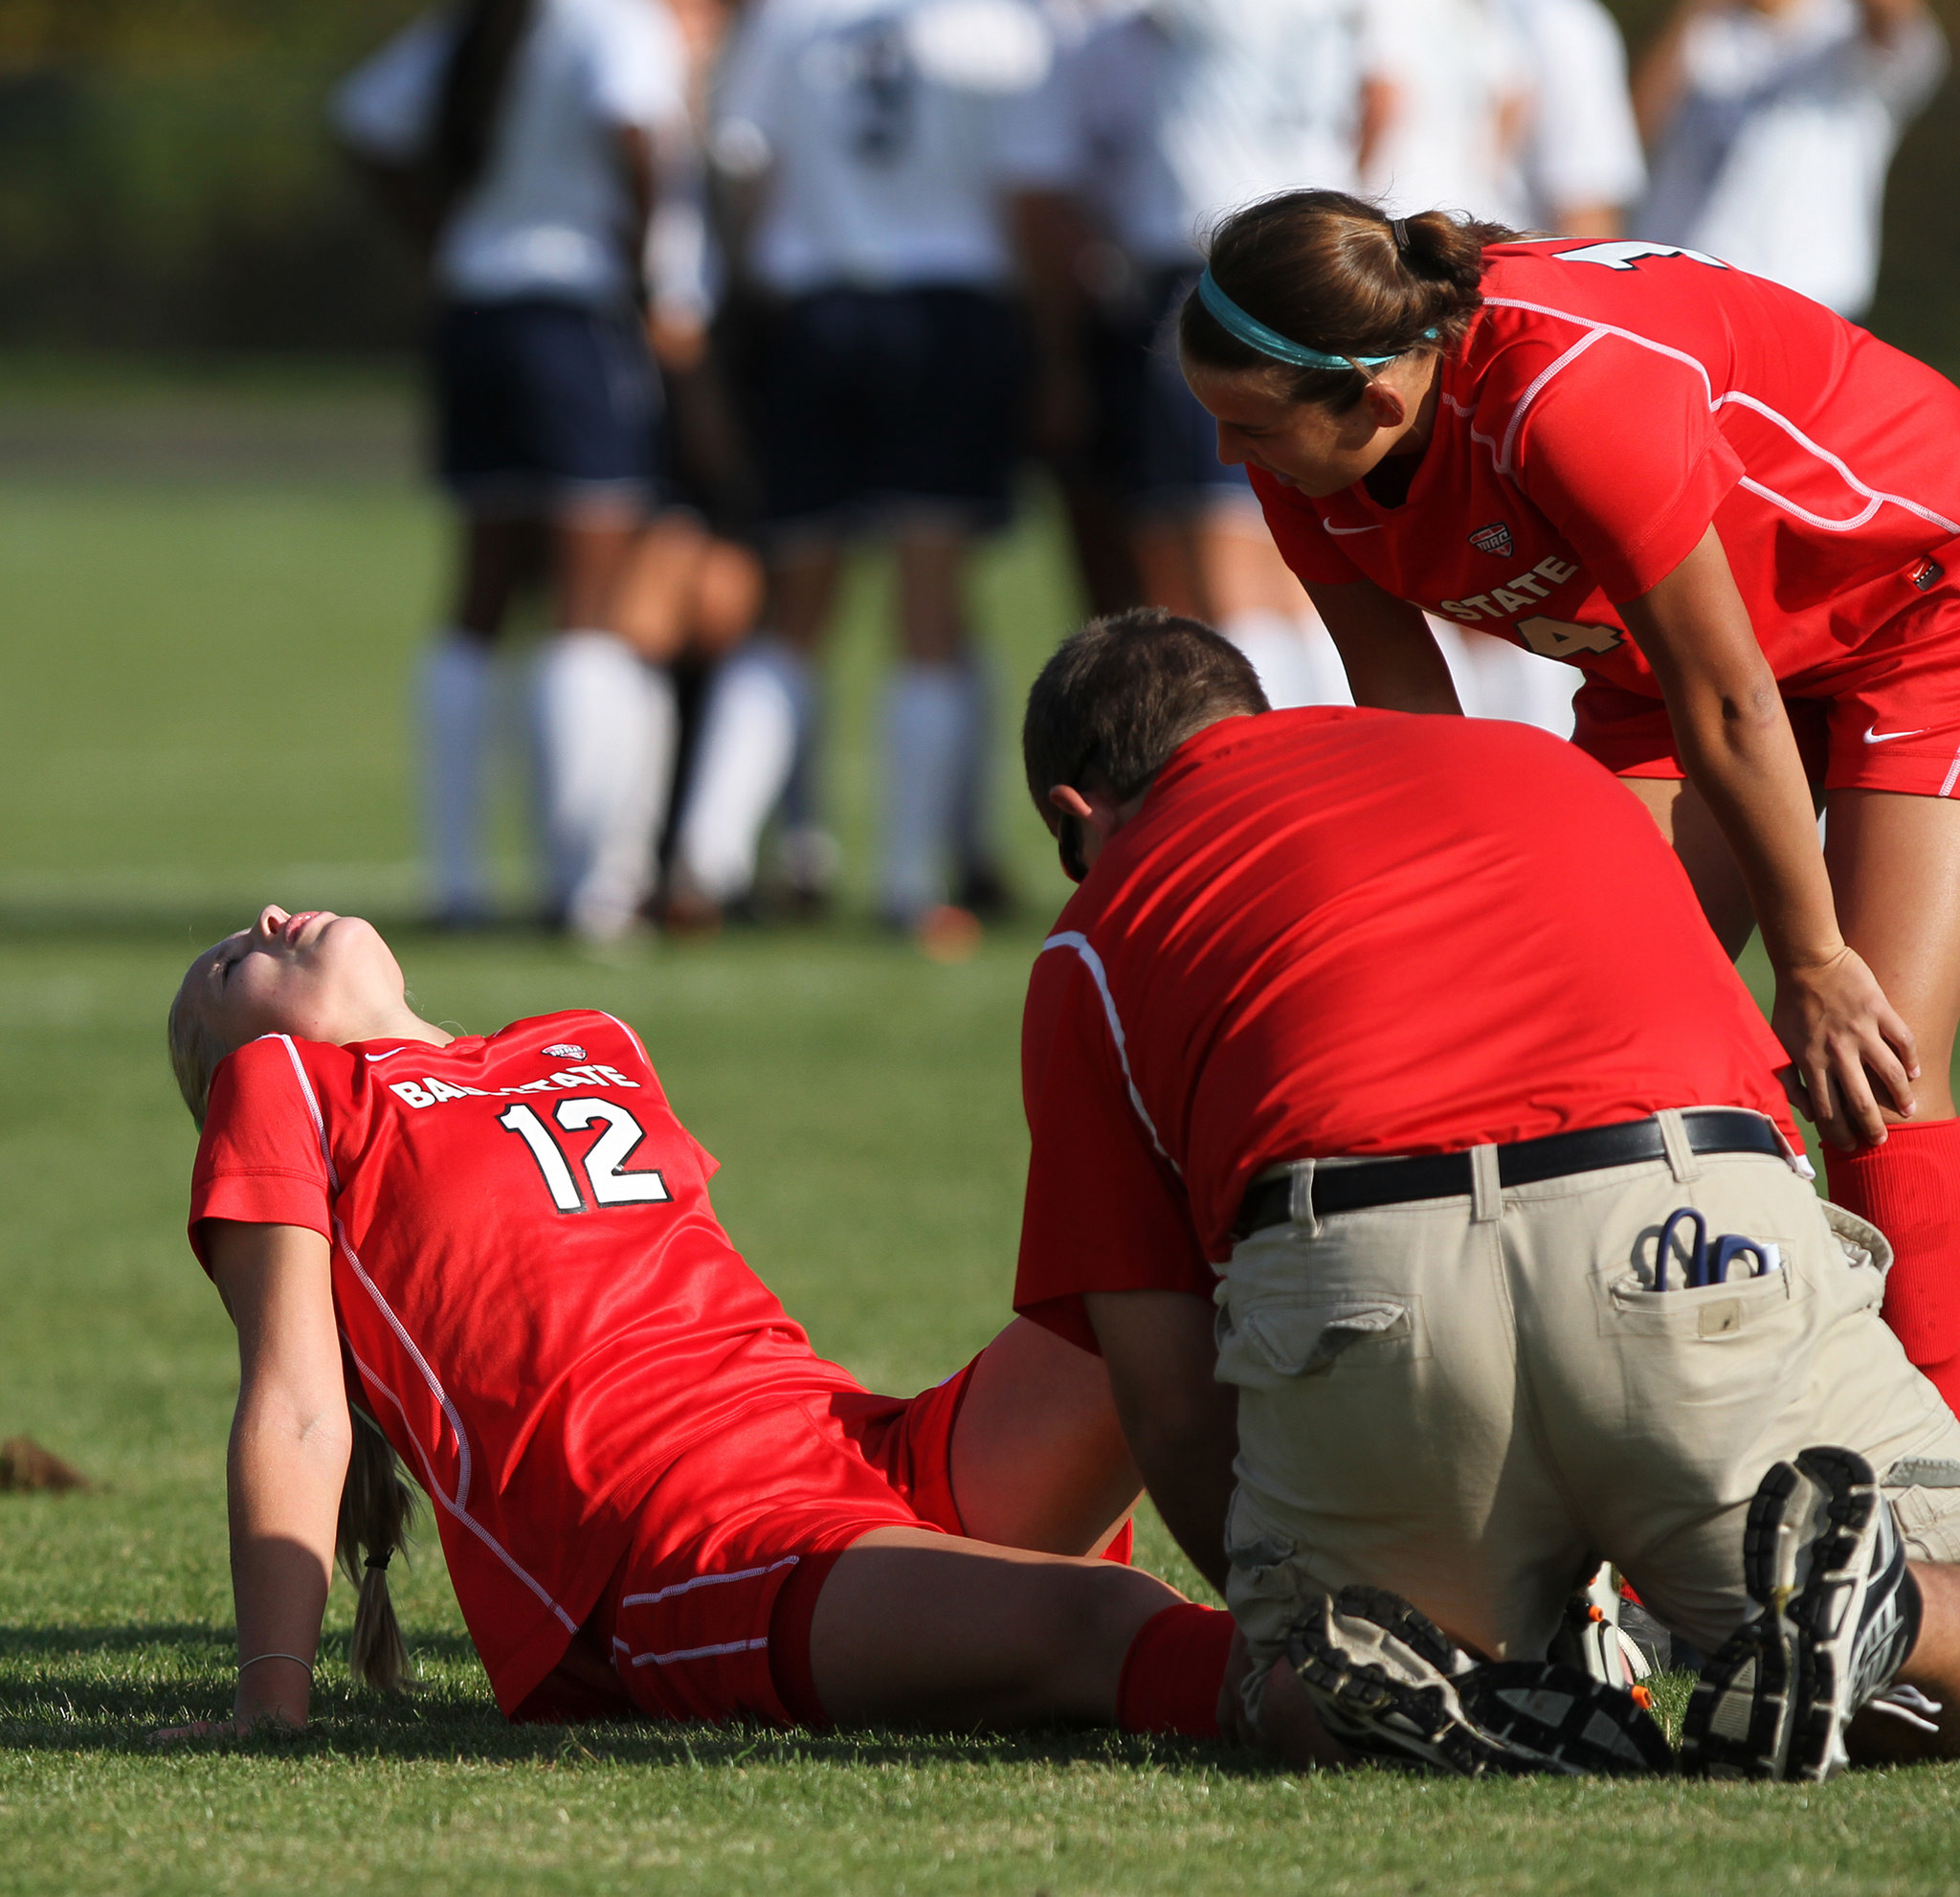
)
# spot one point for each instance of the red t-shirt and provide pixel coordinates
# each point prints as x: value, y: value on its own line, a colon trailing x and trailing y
x: 1606, y: 406
x: 539, y: 1302
x: 1338, y: 932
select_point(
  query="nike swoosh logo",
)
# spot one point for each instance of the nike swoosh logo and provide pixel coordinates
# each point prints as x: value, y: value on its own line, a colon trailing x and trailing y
x: 394, y: 1051
x: 1876, y: 737
x: 1331, y: 528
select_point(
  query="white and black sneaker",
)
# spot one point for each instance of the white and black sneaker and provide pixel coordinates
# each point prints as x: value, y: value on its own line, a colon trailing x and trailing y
x: 1608, y: 1636
x: 1821, y: 1554
x: 1392, y: 1686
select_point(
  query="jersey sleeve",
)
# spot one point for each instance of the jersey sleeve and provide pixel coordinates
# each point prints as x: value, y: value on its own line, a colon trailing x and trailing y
x: 386, y: 108
x: 1104, y: 1210
x: 1306, y: 545
x: 1620, y: 452
x: 260, y: 1161
x: 638, y: 68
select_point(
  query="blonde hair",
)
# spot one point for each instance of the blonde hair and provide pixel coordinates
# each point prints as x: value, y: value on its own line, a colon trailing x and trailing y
x: 377, y: 1500
x: 195, y: 1048
x: 377, y: 1506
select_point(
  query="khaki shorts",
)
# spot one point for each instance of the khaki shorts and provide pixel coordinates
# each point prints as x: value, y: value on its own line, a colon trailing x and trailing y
x: 1473, y: 1401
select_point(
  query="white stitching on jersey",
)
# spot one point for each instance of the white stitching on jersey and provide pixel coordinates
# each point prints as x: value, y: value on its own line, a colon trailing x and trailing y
x: 455, y: 1422
x: 699, y: 1652
x: 1875, y: 495
x: 1530, y: 395
x: 462, y: 1515
x: 708, y: 1582
x: 1071, y: 938
x: 333, y: 1177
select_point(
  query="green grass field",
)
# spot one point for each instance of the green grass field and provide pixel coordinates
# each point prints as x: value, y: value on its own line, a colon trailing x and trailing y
x: 206, y: 675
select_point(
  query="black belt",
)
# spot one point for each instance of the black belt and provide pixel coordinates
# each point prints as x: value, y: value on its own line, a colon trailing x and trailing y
x: 1442, y: 1175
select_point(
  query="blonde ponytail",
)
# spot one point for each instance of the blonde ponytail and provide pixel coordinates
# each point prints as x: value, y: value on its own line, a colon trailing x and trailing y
x: 377, y: 1506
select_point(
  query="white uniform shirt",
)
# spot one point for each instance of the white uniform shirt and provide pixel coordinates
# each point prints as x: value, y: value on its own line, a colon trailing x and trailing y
x: 1581, y: 146
x: 550, y: 214
x: 1775, y: 160
x: 886, y: 131
x: 1457, y: 66
x: 1180, y: 111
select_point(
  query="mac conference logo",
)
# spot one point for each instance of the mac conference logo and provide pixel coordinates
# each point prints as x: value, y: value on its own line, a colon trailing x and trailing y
x: 565, y: 1050
x: 1496, y: 539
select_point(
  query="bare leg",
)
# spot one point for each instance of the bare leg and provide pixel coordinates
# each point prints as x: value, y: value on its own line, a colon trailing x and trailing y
x: 1104, y: 559
x: 1690, y: 829
x: 499, y: 557
x: 1167, y: 557
x: 657, y: 583
x: 588, y: 559
x: 1242, y: 570
x: 918, y: 1628
x: 803, y: 589
x: 1895, y: 871
x: 1038, y: 1459
x: 932, y: 617
x: 1934, y: 1668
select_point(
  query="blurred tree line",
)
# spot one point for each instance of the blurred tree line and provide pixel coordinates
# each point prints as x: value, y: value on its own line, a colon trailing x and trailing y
x: 165, y: 183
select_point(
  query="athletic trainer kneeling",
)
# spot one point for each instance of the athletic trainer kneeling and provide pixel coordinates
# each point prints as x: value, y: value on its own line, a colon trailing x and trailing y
x: 1404, y: 1038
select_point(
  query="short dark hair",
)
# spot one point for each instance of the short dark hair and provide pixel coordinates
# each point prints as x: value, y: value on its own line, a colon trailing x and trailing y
x: 1121, y: 695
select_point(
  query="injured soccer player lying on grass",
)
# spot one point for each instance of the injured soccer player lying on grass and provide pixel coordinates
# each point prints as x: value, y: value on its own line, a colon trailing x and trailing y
x: 495, y: 1258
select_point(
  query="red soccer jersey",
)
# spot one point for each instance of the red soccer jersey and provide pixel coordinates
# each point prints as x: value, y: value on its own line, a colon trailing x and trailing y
x: 1339, y: 931
x: 530, y: 1280
x: 1609, y: 402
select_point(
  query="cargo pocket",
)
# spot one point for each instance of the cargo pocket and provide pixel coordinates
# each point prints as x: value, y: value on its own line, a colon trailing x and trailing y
x: 1272, y: 1342
x: 1865, y: 1250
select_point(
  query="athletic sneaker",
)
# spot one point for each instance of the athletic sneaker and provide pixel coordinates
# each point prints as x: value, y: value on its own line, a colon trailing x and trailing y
x: 1606, y: 1636
x: 1392, y: 1686
x: 1822, y: 1555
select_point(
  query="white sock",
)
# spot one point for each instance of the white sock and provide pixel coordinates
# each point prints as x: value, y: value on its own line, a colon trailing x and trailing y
x: 454, y: 706
x: 607, y: 727
x: 759, y: 711
x: 1295, y: 662
x: 931, y: 718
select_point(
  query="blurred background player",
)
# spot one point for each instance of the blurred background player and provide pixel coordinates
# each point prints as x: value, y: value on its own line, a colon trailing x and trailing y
x: 693, y: 584
x: 1579, y: 165
x: 517, y: 139
x: 868, y: 143
x: 1462, y: 97
x: 1771, y: 124
x: 1170, y: 115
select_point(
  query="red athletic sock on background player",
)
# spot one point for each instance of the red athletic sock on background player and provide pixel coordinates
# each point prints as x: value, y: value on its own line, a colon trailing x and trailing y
x: 1174, y: 1672
x: 1910, y: 1188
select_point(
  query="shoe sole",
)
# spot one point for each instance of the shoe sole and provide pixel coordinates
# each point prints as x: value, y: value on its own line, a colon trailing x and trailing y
x: 1766, y: 1706
x: 1509, y: 1719
x: 1833, y: 1598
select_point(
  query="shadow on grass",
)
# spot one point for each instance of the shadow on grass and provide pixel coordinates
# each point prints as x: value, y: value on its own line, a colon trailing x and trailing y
x: 47, y: 1703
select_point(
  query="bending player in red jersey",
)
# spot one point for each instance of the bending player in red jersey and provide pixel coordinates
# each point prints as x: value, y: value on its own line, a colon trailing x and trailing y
x: 1740, y: 516
x: 497, y: 1256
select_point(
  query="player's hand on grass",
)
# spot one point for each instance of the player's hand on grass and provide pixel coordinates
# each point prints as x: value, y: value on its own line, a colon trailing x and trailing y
x: 1853, y: 1053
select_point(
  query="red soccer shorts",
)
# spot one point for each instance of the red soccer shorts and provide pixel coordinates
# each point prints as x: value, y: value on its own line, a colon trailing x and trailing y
x: 708, y: 1616
x: 1884, y: 717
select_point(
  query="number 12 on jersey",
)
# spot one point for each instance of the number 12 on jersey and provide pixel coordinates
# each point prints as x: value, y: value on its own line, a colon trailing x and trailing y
x: 604, y: 1161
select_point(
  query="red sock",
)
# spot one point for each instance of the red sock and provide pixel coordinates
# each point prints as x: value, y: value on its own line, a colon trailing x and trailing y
x: 1123, y: 1550
x: 1173, y: 1671
x: 1910, y: 1188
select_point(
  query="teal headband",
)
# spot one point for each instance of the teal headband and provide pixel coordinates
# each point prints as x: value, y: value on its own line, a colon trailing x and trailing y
x: 1255, y: 334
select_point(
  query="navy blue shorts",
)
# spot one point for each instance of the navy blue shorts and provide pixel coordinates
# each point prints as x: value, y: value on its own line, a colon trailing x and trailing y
x: 543, y: 406
x: 876, y: 401
x: 1152, y: 442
